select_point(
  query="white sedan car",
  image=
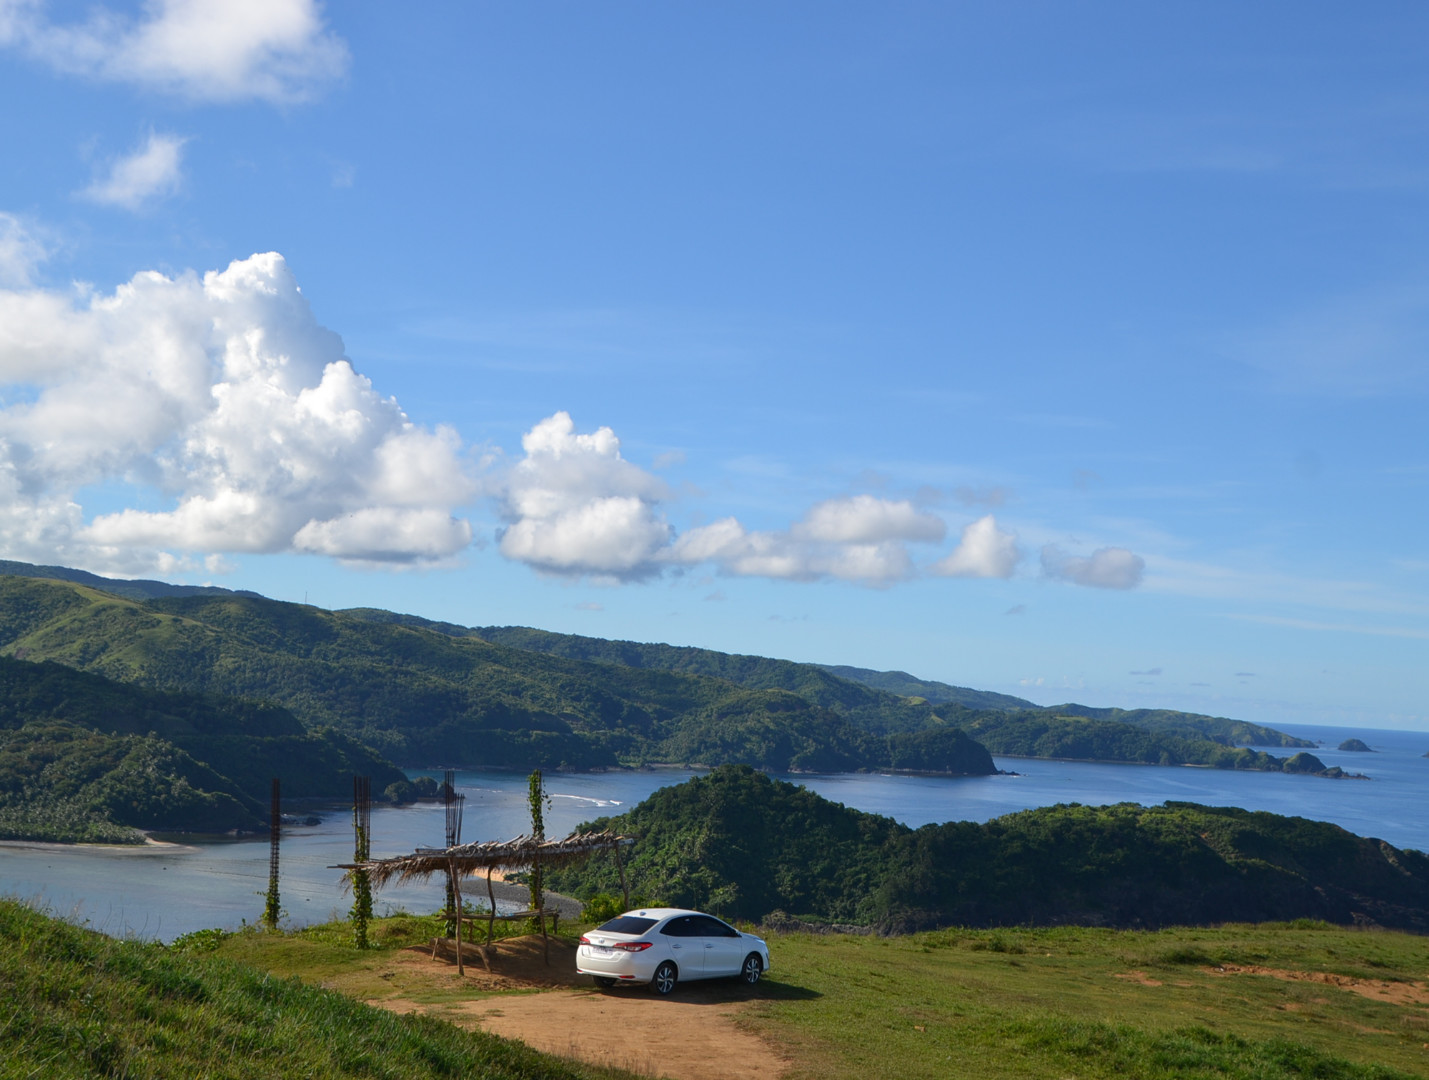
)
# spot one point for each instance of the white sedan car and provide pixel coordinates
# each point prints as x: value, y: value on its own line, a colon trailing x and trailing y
x: 661, y: 946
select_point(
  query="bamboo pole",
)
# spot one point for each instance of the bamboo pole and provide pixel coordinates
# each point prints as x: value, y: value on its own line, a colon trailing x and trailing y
x: 624, y: 888
x: 456, y: 888
x: 491, y: 909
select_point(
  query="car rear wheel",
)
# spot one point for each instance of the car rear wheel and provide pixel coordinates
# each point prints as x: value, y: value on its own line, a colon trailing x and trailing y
x: 605, y: 982
x: 752, y: 969
x: 665, y: 978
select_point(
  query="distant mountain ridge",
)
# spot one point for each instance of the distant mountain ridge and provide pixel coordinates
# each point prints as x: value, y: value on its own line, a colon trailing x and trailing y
x: 905, y: 685
x: 131, y: 589
x: 423, y: 692
x: 422, y: 696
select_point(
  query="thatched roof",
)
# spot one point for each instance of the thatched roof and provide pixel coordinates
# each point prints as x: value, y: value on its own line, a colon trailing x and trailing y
x: 478, y: 857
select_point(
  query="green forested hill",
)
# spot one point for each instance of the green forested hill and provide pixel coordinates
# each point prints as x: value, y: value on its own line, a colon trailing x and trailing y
x: 423, y: 692
x: 1187, y: 725
x: 867, y: 706
x: 939, y: 693
x: 740, y: 843
x: 891, y: 701
x: 86, y: 758
x: 1162, y: 721
x: 133, y: 589
x: 420, y: 695
x: 1044, y: 733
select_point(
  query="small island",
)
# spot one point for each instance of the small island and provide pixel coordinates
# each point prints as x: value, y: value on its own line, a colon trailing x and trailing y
x: 1310, y: 765
x: 1357, y: 745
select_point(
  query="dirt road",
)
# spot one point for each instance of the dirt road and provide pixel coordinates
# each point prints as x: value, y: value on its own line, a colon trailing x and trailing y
x: 693, y: 1035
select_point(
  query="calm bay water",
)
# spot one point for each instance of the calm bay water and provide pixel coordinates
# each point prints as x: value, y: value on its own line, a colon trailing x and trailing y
x: 162, y: 892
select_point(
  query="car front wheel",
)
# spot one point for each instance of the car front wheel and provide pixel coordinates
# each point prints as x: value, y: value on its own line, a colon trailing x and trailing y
x: 752, y: 969
x: 665, y: 978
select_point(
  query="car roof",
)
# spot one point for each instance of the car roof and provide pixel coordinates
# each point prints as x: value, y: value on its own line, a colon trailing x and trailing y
x: 658, y: 913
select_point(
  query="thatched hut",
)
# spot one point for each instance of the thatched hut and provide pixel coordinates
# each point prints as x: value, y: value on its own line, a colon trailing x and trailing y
x: 468, y: 860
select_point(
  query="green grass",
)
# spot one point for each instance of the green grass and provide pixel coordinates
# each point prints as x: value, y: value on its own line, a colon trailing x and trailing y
x: 1005, y: 1004
x: 1008, y: 1004
x: 325, y: 955
x: 74, y: 1003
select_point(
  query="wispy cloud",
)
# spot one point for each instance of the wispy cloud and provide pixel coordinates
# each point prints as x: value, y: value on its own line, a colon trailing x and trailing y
x: 1105, y: 568
x: 205, y: 50
x: 21, y: 252
x: 1363, y: 344
x: 132, y: 182
x: 1217, y: 582
x: 1410, y: 632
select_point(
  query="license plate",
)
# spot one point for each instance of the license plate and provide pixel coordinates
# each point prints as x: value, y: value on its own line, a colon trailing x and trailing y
x: 601, y: 951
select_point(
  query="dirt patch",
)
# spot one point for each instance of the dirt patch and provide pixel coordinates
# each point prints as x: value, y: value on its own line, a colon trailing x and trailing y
x: 1139, y: 977
x: 631, y: 1029
x: 1394, y: 993
x: 693, y: 1035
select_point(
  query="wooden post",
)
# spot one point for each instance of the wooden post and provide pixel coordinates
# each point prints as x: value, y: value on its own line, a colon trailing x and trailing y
x: 545, y: 941
x: 624, y: 889
x: 271, y: 908
x: 362, y: 850
x: 491, y: 912
x: 456, y: 889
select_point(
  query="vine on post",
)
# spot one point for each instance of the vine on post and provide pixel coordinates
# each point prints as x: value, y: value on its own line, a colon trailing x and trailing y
x: 271, y: 909
x: 362, y: 850
x: 540, y: 802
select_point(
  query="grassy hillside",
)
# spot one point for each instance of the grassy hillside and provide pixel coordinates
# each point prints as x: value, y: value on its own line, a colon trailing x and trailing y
x: 742, y: 844
x: 420, y: 695
x: 1266, y: 1002
x: 83, y: 758
x: 1277, y: 1001
x: 78, y: 1004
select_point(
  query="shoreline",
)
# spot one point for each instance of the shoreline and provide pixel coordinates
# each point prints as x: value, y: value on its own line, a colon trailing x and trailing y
x: 150, y: 846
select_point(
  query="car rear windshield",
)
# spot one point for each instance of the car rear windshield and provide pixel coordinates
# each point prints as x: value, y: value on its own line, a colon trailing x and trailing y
x: 627, y: 924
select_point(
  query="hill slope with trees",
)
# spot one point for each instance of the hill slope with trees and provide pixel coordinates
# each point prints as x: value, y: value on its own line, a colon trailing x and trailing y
x: 420, y: 696
x: 748, y: 846
x: 422, y: 692
x: 83, y: 758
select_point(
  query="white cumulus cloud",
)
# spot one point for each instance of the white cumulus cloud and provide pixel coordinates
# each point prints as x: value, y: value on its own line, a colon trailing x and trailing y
x: 984, y: 551
x: 790, y: 556
x: 149, y: 173
x: 866, y: 519
x: 575, y: 506
x: 1105, y: 568
x: 206, y: 50
x: 222, y: 408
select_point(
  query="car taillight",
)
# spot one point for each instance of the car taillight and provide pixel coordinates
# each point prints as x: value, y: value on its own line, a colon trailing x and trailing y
x: 585, y: 940
x: 635, y: 946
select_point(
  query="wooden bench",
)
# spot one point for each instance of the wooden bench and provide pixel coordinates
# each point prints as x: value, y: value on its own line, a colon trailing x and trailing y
x: 516, y: 916
x: 553, y: 914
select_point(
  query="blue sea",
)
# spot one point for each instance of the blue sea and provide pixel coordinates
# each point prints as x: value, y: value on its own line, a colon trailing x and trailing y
x: 160, y: 892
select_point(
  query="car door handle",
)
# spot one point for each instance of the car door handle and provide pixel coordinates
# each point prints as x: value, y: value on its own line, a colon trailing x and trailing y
x: 709, y: 945
x: 675, y: 946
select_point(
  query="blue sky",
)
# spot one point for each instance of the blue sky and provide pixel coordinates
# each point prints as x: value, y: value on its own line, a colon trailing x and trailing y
x: 1071, y: 351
